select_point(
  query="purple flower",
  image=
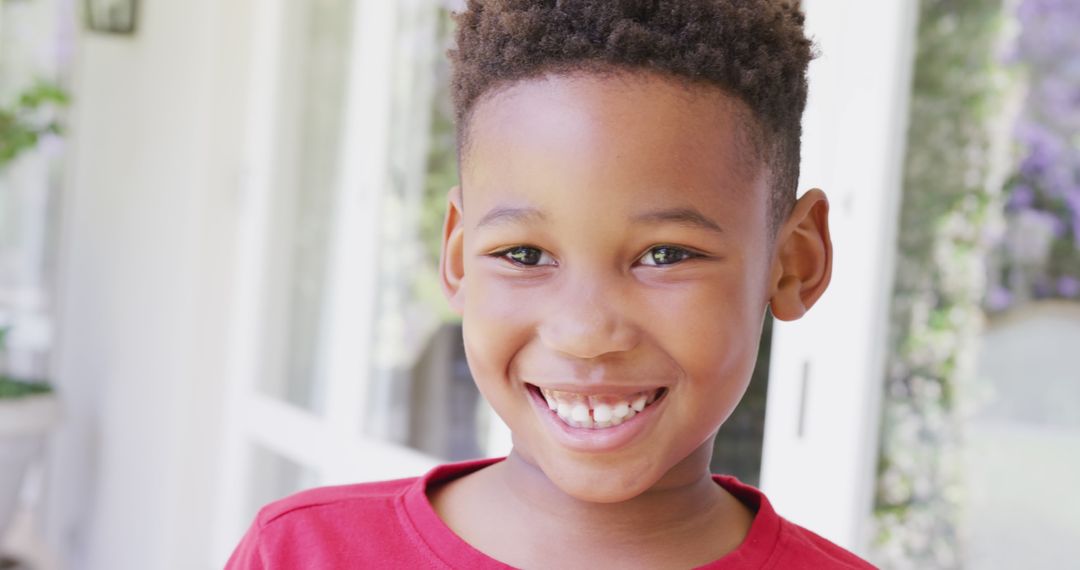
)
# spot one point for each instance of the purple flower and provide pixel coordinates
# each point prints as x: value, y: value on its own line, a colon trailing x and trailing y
x: 1051, y: 221
x: 1058, y: 227
x: 1068, y: 286
x: 1043, y: 201
x: 1072, y: 199
x: 998, y: 298
x: 1048, y: 28
x: 1021, y: 196
x: 1057, y: 95
x: 1044, y: 149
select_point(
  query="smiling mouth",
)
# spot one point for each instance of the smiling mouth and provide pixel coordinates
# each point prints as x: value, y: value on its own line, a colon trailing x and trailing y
x: 596, y: 411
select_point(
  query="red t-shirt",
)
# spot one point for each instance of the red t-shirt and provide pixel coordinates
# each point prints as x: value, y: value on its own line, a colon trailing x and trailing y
x: 392, y: 524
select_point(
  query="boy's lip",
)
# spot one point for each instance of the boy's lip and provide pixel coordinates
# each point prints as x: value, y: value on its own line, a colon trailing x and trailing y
x: 589, y: 389
x: 588, y: 440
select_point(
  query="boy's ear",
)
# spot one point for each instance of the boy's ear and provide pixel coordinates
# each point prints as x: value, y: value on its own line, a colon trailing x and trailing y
x: 802, y: 266
x: 452, y: 259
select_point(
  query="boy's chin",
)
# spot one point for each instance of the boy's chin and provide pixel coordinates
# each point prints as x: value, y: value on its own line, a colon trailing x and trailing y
x: 618, y: 478
x: 598, y: 484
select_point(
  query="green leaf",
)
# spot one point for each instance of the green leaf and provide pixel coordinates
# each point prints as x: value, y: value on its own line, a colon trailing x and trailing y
x: 23, y: 124
x: 12, y: 388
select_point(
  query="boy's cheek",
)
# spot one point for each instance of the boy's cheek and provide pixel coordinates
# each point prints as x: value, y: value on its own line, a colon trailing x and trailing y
x: 496, y: 326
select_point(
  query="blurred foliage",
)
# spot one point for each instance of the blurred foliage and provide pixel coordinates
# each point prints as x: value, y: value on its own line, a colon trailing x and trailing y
x: 1038, y: 253
x: 951, y: 192
x: 28, y: 119
x: 16, y: 388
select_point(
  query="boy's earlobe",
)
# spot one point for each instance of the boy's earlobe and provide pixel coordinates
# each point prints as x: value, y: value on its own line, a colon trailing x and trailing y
x: 452, y: 259
x: 802, y: 266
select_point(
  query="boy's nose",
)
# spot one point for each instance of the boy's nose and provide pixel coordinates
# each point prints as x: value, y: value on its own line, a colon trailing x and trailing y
x: 586, y: 323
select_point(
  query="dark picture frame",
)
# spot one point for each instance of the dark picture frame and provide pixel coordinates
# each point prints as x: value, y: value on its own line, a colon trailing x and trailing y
x: 111, y: 16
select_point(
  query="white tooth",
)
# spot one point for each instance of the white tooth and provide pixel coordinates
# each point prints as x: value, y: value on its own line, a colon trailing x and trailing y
x: 639, y: 403
x: 630, y: 415
x: 620, y: 410
x: 599, y: 425
x: 580, y: 413
x: 616, y: 421
x: 602, y: 413
x: 563, y: 410
x: 550, y: 401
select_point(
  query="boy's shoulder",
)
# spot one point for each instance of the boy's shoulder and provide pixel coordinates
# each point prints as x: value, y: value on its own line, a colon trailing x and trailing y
x: 802, y: 548
x: 322, y: 500
x: 775, y: 542
x: 362, y: 525
x: 345, y: 526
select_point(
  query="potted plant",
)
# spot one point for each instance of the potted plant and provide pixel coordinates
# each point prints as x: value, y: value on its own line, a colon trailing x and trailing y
x: 28, y: 410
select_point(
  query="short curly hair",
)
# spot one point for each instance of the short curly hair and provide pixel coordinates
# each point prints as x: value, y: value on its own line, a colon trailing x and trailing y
x: 754, y: 50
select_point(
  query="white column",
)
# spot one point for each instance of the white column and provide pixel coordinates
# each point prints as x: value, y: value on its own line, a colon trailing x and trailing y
x: 821, y: 428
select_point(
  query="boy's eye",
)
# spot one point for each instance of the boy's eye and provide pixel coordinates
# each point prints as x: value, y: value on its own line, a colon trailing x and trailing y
x: 525, y: 255
x: 665, y: 255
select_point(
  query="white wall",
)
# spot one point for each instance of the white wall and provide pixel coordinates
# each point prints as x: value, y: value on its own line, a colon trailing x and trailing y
x: 145, y: 257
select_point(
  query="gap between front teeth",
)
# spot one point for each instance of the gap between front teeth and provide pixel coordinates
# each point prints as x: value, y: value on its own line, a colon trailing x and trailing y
x: 596, y: 412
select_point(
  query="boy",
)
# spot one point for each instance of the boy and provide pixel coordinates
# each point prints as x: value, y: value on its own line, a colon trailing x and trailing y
x: 626, y: 216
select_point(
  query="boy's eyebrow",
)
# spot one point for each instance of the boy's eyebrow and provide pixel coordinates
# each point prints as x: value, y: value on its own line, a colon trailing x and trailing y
x: 499, y: 215
x: 685, y: 216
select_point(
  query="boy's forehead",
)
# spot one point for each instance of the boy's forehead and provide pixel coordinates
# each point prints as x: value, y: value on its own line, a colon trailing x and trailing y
x: 581, y: 102
x: 638, y: 130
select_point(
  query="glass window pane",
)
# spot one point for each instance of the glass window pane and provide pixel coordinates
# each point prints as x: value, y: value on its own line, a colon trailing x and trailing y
x: 313, y: 89
x: 422, y: 394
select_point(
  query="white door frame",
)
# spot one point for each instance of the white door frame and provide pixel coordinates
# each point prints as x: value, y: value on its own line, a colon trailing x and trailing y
x: 330, y: 444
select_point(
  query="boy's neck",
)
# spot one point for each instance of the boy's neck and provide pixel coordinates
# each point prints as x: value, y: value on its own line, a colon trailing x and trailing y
x: 513, y: 512
x: 685, y: 494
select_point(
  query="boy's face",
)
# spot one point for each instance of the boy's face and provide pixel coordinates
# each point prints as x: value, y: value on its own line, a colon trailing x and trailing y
x: 612, y: 244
